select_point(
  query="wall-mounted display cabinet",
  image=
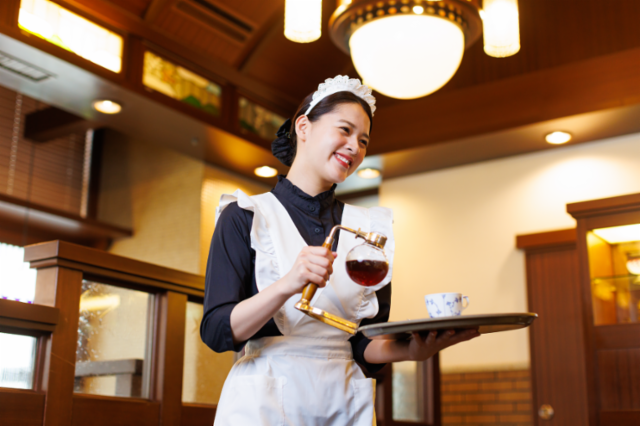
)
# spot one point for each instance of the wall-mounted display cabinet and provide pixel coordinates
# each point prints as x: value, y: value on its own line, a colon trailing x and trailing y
x: 585, y: 285
x: 608, y: 244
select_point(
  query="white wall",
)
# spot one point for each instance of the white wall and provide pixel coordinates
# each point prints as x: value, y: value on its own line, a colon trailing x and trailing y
x: 455, y: 231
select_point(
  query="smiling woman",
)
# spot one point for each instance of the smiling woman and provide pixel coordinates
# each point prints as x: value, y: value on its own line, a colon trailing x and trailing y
x: 269, y: 248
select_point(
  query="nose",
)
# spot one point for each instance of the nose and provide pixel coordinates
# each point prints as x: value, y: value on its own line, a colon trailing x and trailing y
x: 353, y: 144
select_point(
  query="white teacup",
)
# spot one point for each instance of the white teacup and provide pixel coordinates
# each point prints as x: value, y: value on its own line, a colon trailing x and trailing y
x: 445, y: 304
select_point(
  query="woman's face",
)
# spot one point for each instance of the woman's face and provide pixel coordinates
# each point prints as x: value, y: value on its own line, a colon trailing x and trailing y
x: 334, y: 145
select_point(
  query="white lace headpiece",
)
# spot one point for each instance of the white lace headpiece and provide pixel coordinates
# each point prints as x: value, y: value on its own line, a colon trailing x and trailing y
x: 342, y: 83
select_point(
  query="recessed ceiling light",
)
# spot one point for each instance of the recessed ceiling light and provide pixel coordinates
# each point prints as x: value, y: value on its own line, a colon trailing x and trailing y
x: 107, y: 106
x: 368, y: 173
x: 265, y: 171
x: 418, y: 10
x: 558, y: 137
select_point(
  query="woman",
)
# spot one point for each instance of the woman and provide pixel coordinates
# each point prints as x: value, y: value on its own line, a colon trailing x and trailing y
x: 266, y: 248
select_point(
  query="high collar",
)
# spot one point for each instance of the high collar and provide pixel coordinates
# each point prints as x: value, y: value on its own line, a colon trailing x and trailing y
x: 301, y: 199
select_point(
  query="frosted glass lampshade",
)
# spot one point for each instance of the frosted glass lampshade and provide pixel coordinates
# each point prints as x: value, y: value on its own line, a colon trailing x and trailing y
x: 407, y: 56
x: 303, y: 20
x: 501, y: 28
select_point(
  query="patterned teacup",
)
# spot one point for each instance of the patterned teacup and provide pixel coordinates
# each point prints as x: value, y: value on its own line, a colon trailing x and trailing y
x: 445, y: 304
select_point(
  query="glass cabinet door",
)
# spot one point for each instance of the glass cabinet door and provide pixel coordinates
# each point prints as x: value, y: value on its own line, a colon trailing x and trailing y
x: 614, y: 267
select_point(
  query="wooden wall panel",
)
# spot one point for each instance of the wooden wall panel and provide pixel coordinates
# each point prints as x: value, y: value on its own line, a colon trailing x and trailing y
x: 198, y: 415
x: 557, y: 338
x: 101, y: 411
x: 618, y: 371
x: 21, y: 408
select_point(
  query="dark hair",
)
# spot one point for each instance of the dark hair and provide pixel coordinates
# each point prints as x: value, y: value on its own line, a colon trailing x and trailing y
x: 285, y: 146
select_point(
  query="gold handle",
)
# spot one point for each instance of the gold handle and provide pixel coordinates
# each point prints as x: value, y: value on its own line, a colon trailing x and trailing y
x: 310, y: 289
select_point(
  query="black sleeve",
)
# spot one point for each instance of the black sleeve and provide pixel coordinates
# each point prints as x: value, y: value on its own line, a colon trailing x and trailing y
x: 229, y: 277
x: 359, y: 343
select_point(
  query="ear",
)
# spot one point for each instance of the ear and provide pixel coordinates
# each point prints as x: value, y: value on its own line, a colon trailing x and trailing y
x: 303, y: 125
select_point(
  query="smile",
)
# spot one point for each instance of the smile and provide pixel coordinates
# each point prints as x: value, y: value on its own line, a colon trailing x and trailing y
x: 344, y: 161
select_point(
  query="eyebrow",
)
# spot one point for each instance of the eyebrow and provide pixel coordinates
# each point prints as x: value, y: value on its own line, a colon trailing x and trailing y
x: 353, y: 126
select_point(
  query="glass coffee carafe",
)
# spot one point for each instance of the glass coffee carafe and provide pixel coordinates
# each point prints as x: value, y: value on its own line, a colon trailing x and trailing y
x: 367, y: 265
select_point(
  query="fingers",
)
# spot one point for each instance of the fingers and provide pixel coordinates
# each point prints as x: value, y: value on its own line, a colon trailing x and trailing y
x: 324, y: 260
x: 318, y: 270
x: 451, y: 337
x: 310, y: 277
x: 431, y: 338
x: 321, y: 252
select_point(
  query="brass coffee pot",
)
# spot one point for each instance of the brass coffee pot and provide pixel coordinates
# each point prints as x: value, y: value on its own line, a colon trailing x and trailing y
x: 367, y: 265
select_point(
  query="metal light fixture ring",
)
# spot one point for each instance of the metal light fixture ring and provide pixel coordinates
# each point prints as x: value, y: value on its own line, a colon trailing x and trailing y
x: 348, y: 18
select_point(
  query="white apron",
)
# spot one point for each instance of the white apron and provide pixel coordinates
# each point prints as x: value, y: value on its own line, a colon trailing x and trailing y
x: 307, y: 377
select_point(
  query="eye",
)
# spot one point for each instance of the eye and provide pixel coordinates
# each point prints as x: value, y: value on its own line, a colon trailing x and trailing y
x: 364, y: 142
x: 346, y: 130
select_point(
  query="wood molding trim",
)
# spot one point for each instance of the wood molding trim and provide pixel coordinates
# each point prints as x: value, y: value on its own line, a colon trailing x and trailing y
x: 545, y: 240
x: 23, y: 222
x: 620, y: 204
x: 95, y: 260
x: 28, y: 316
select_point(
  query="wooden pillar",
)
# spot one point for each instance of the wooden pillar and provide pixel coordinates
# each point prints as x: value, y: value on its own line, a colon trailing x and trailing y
x: 59, y: 287
x: 172, y: 309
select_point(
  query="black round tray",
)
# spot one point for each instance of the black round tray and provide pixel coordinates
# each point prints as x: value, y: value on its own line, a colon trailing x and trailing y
x: 492, y: 323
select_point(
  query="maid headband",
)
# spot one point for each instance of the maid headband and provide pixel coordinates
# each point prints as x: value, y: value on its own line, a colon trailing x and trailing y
x: 342, y: 83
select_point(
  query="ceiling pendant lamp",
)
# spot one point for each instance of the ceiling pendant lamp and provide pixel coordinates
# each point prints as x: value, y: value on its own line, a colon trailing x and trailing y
x: 501, y: 28
x: 303, y: 20
x: 408, y: 49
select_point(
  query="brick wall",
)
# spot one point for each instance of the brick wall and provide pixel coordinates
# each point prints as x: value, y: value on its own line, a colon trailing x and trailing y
x: 487, y: 398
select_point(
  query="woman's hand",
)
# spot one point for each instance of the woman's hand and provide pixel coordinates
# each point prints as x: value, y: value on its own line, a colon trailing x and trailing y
x: 417, y: 349
x: 422, y: 348
x: 313, y: 265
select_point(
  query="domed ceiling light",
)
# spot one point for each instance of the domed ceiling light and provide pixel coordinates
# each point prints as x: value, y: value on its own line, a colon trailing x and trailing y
x: 303, y: 20
x: 407, y: 49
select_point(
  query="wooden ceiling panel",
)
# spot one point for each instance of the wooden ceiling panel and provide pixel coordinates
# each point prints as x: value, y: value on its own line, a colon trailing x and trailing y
x: 137, y: 7
x: 297, y: 68
x: 552, y: 33
x: 197, y: 35
x: 253, y: 12
x: 555, y: 33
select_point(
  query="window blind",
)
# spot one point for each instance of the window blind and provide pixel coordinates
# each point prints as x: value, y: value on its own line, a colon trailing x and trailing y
x: 46, y: 173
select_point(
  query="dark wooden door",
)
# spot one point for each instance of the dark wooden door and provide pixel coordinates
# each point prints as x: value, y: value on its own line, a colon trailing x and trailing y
x: 556, y: 337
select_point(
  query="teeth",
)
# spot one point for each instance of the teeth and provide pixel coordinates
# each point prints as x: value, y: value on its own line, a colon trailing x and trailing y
x: 345, y: 159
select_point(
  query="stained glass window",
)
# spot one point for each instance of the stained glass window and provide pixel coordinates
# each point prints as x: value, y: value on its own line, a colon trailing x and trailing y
x: 72, y: 32
x: 179, y: 83
x: 258, y: 120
